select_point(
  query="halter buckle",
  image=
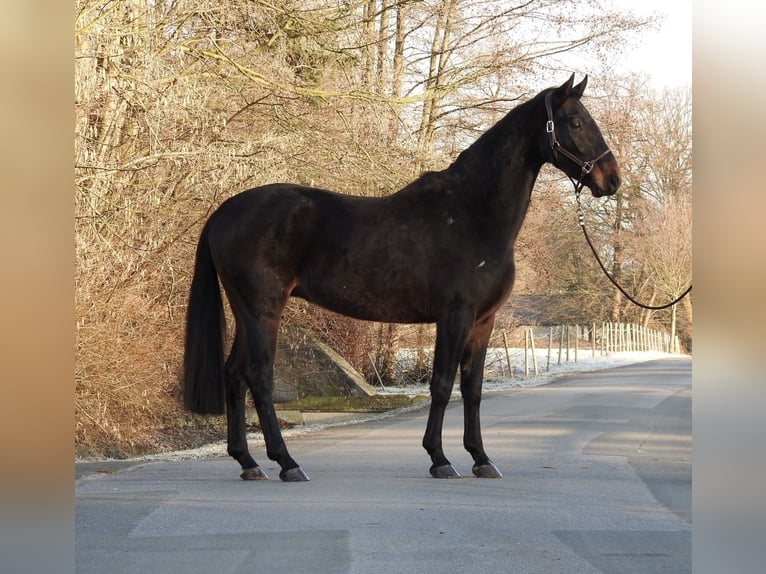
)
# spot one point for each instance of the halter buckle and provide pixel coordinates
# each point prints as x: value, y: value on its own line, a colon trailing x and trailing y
x: 549, y: 127
x: 587, y: 167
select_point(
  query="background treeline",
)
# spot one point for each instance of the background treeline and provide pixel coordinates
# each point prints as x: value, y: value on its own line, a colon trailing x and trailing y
x: 180, y: 104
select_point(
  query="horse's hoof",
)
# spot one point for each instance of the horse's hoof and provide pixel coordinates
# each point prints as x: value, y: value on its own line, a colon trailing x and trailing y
x: 253, y: 474
x: 444, y: 471
x: 488, y: 470
x: 294, y: 475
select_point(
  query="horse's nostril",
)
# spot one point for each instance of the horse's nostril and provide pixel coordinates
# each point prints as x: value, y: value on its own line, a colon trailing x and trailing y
x: 614, y: 182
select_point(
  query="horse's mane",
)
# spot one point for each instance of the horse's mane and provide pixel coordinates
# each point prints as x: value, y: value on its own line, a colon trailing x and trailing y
x: 514, y: 121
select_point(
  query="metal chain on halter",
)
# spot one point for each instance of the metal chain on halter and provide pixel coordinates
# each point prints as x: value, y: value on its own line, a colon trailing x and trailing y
x: 581, y: 221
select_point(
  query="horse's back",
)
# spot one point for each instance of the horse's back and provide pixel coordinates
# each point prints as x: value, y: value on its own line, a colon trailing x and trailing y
x: 401, y: 258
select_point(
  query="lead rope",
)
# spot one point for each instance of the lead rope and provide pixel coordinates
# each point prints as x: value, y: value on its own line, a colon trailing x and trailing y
x: 581, y: 221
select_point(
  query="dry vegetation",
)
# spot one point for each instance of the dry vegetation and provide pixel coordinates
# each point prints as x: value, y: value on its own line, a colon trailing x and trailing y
x: 181, y: 104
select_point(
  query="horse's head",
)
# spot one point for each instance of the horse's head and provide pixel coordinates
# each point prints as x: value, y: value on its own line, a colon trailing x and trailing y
x: 574, y: 142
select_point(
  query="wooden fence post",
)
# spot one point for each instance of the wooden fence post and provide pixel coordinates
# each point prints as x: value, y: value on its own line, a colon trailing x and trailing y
x: 526, y: 354
x: 593, y: 341
x: 621, y: 335
x: 508, y: 356
x: 550, y: 344
x: 577, y: 336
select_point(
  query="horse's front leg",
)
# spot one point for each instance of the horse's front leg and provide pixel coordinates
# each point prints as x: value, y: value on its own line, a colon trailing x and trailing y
x: 471, y: 378
x: 451, y: 335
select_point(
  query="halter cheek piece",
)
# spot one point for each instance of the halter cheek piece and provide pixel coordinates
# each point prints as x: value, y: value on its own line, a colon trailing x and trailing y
x: 585, y: 166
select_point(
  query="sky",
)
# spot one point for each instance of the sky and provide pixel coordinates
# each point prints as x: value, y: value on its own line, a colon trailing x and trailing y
x: 665, y: 55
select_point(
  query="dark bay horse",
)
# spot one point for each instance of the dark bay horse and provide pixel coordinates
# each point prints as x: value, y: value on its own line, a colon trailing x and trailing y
x: 440, y: 250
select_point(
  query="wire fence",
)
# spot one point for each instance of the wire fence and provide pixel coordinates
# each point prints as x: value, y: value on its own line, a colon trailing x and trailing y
x: 536, y: 349
x: 531, y: 351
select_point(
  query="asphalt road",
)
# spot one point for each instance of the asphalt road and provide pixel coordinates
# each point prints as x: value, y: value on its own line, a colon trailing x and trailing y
x: 597, y: 473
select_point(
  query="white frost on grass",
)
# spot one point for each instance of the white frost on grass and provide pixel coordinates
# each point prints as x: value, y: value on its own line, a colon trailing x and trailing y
x: 496, y: 377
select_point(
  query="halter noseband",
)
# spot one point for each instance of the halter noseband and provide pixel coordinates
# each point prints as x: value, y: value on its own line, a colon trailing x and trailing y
x: 585, y: 166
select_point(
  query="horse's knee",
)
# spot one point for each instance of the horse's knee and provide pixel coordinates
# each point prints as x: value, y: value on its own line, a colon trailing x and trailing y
x: 440, y: 394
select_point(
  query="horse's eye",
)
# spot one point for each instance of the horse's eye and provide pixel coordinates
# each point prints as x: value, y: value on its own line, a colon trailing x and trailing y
x: 575, y: 123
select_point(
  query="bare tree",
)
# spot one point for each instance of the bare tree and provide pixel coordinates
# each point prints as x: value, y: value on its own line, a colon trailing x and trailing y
x: 463, y: 51
x: 667, y: 252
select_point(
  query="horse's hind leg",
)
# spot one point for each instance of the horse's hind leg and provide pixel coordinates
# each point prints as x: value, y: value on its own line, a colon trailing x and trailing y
x: 261, y: 349
x: 236, y: 387
x: 471, y: 377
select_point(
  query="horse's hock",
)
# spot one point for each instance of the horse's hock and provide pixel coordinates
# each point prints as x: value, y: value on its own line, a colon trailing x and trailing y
x: 306, y: 367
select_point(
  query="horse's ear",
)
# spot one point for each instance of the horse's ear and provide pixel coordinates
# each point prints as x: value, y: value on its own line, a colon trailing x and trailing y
x: 580, y: 88
x: 563, y: 92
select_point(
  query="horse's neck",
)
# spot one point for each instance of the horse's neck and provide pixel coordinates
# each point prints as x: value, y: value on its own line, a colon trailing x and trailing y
x: 500, y: 175
x: 520, y: 194
x: 513, y: 194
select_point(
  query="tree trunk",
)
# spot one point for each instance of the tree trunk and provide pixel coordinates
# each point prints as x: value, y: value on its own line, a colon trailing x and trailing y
x: 436, y: 68
x: 398, y: 64
x: 383, y: 33
x: 647, y: 314
x: 617, y: 259
x: 672, y: 345
x: 368, y: 54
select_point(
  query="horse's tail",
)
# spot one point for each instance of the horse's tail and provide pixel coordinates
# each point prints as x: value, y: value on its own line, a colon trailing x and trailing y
x: 203, y: 368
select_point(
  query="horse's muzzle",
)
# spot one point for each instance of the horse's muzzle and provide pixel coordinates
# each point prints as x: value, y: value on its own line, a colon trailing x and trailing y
x: 605, y: 180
